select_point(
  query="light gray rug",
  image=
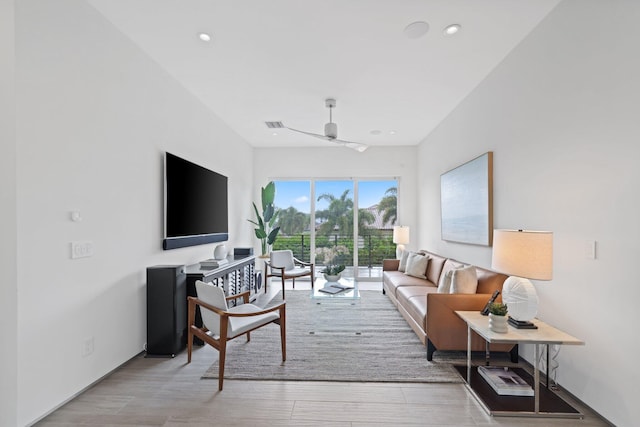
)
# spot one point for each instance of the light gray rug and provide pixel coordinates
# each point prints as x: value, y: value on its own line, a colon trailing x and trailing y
x: 330, y: 341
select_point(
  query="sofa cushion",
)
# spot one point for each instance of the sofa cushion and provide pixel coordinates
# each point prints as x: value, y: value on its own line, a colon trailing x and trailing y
x: 395, y: 279
x: 464, y: 280
x: 417, y: 265
x: 414, y: 300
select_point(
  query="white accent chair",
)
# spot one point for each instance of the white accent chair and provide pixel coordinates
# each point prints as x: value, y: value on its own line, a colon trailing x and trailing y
x: 222, y: 324
x: 284, y: 265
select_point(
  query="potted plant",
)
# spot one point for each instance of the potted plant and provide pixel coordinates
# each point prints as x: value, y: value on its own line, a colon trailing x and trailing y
x: 498, y: 317
x: 265, y: 230
x: 332, y: 271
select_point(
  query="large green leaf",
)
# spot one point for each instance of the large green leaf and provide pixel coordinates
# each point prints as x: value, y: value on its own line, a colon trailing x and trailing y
x: 273, y: 218
x: 268, y: 195
x: 260, y: 223
x: 268, y: 213
x: 273, y: 235
x: 261, y: 234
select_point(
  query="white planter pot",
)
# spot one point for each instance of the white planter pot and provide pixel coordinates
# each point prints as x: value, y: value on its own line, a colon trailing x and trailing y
x: 498, y: 323
x: 331, y: 277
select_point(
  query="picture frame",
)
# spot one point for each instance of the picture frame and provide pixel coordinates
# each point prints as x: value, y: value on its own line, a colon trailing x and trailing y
x: 466, y: 202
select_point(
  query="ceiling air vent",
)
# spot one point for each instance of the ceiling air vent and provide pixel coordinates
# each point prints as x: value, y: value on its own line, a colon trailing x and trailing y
x: 274, y: 125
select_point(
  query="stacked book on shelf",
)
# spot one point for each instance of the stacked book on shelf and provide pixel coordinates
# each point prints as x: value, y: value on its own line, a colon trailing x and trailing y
x: 504, y: 381
x: 213, y: 263
x: 334, y: 288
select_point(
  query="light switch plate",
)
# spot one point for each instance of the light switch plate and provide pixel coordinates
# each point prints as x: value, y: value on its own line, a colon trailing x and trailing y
x: 590, y: 249
x: 83, y: 249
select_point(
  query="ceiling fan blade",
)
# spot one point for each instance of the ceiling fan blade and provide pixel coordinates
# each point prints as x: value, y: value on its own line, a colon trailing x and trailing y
x: 356, y: 146
x: 353, y: 145
x: 317, y: 135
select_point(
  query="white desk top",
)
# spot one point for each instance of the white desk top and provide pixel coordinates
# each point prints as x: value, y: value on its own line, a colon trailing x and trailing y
x: 545, y: 334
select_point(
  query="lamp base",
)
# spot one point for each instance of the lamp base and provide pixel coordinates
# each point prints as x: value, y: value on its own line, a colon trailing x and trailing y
x: 521, y: 324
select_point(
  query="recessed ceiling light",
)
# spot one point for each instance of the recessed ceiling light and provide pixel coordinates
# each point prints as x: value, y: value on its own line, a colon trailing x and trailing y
x: 416, y: 29
x: 275, y: 134
x: 204, y: 37
x: 375, y: 132
x: 450, y: 30
x: 392, y: 132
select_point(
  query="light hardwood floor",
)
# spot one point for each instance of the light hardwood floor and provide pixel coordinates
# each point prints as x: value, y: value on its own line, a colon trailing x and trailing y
x: 168, y: 392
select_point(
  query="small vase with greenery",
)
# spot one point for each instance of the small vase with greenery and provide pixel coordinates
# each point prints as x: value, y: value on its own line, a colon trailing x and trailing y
x: 329, y: 256
x: 265, y: 230
x: 498, y: 317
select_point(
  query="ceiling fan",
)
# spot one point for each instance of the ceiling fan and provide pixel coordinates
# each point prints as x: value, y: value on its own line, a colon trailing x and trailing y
x: 330, y: 130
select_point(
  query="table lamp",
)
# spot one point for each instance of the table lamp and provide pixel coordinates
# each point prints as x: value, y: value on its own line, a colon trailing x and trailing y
x: 400, y: 238
x: 524, y: 255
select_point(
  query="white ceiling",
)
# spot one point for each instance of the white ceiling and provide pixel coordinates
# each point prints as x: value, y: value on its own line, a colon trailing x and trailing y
x: 278, y: 60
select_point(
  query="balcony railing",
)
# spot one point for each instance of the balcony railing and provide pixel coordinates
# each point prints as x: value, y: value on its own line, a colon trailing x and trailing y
x: 372, y: 249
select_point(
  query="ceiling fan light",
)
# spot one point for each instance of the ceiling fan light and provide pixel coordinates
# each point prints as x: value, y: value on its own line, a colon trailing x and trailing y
x: 331, y: 130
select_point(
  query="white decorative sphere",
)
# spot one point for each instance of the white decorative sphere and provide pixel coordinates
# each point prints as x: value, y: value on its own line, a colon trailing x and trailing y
x: 220, y: 252
x: 520, y: 297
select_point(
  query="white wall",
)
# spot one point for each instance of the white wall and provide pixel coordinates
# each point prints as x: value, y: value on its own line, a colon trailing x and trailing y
x: 561, y: 116
x: 94, y: 116
x: 8, y: 260
x: 341, y: 162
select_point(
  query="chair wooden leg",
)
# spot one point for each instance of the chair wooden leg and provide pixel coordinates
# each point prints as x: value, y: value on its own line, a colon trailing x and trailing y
x: 190, y: 321
x: 283, y: 287
x: 223, y: 354
x: 283, y: 332
x: 266, y: 276
x: 222, y: 343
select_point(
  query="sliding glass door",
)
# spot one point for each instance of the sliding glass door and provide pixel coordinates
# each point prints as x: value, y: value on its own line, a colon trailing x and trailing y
x: 378, y: 213
x: 344, y: 222
x: 334, y: 217
x: 294, y: 218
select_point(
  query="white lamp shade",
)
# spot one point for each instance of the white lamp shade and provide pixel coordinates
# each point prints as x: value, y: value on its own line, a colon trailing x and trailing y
x: 523, y: 253
x: 520, y: 297
x: 401, y: 235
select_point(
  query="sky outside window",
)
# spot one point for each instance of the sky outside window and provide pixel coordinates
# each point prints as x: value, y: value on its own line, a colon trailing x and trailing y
x: 296, y: 193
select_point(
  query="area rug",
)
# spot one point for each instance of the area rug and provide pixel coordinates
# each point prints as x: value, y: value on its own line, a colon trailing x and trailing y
x: 367, y: 341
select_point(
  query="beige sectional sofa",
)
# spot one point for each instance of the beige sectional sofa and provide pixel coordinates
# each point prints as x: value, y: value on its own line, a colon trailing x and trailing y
x: 431, y: 314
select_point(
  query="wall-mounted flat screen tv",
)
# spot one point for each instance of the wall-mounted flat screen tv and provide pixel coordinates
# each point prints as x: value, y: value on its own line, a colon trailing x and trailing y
x: 195, y: 204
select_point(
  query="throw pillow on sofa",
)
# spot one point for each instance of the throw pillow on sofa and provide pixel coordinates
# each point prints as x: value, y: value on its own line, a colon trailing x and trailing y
x: 464, y: 280
x: 444, y: 283
x: 417, y: 265
x: 403, y: 261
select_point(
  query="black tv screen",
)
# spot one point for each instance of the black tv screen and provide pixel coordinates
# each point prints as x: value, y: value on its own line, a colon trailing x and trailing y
x: 195, y: 204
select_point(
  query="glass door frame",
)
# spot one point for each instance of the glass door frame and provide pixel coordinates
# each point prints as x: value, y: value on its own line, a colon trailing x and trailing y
x: 356, y: 212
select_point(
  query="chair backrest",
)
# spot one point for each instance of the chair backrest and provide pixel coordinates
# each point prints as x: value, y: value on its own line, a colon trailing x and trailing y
x: 212, y: 295
x: 283, y: 258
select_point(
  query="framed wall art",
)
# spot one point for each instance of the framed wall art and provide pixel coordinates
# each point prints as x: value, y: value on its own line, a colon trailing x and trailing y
x: 466, y: 202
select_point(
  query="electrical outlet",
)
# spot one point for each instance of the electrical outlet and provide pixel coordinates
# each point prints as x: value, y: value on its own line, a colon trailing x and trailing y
x: 82, y: 249
x: 87, y: 347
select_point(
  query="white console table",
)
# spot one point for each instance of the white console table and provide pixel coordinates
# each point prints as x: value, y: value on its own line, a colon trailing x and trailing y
x: 552, y: 404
